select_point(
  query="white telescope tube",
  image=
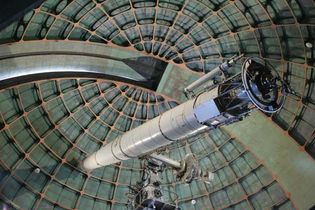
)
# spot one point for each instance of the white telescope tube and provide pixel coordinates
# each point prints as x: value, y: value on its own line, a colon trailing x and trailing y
x: 176, y: 124
x: 229, y: 102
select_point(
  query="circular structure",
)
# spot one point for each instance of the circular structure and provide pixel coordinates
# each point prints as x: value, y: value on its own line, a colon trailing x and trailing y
x: 193, y: 34
x: 263, y: 85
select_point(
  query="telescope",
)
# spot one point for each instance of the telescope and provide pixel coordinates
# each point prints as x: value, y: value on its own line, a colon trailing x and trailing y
x: 224, y: 99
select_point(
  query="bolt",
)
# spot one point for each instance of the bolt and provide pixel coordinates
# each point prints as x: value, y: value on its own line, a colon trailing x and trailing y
x: 37, y: 170
x: 309, y: 45
x: 193, y: 201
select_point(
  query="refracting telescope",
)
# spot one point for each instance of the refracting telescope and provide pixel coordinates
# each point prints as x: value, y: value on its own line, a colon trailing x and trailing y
x: 224, y: 101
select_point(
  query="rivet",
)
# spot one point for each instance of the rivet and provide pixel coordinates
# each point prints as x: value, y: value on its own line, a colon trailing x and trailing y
x: 309, y: 45
x: 37, y: 170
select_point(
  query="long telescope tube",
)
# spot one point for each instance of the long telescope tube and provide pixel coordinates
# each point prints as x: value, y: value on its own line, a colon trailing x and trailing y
x: 176, y: 124
x: 179, y: 123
